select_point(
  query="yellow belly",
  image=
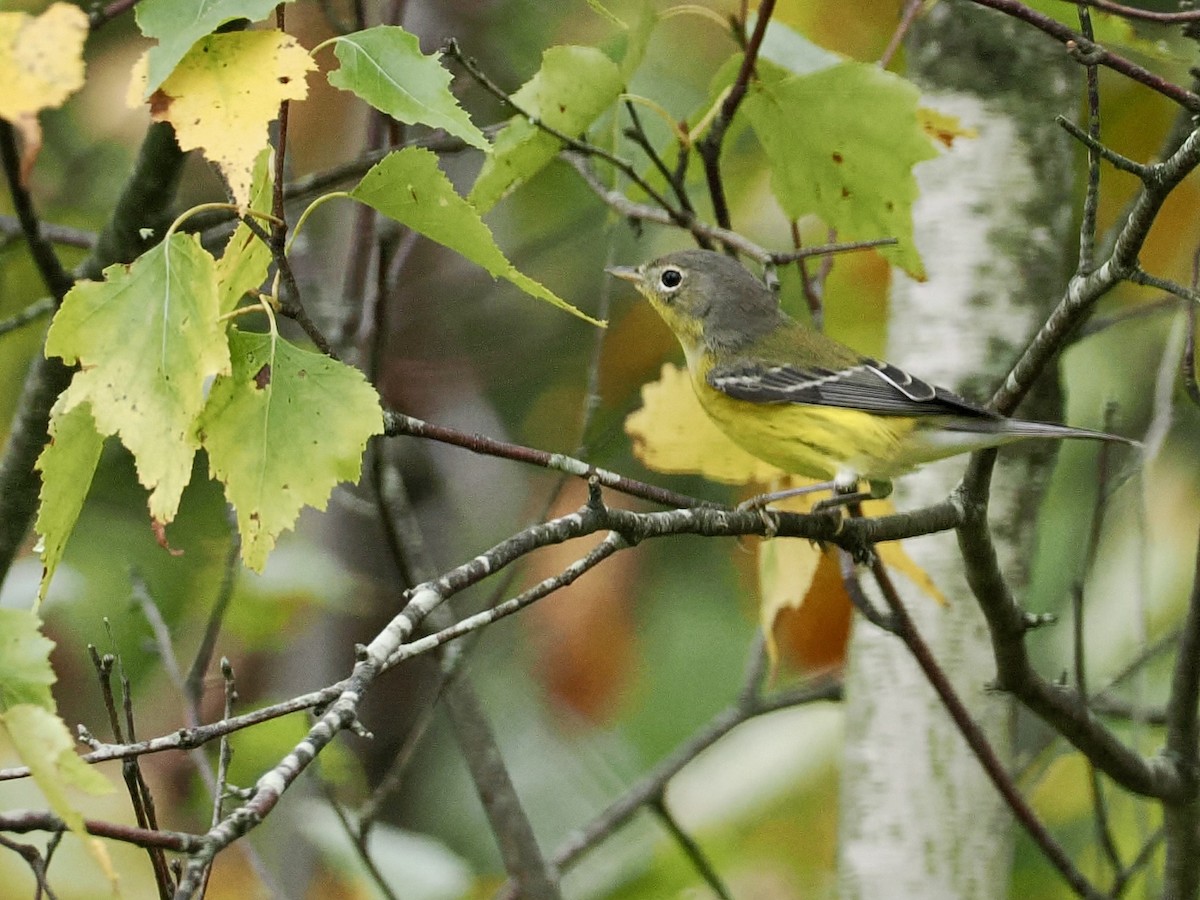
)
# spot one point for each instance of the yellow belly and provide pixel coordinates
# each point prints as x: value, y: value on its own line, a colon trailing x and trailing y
x: 815, y: 441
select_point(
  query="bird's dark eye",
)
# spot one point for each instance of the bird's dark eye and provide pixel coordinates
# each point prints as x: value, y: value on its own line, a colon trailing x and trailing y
x: 670, y: 278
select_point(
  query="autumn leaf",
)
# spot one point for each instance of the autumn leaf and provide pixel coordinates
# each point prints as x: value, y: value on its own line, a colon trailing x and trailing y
x: 32, y: 726
x: 44, y: 743
x: 41, y: 59
x: 281, y: 430
x: 672, y: 434
x: 224, y: 93
x: 147, y: 339
x: 178, y: 24
x: 408, y: 186
x: 25, y: 673
x: 943, y: 127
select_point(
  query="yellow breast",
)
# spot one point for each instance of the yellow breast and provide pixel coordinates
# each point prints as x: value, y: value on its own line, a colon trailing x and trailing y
x: 815, y: 441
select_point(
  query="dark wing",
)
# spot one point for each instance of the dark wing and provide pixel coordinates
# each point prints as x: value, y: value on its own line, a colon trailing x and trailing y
x: 871, y: 386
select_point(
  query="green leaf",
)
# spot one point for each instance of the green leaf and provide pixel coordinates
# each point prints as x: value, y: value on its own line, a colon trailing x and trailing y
x: 148, y: 339
x: 244, y: 264
x: 281, y: 430
x: 842, y: 143
x: 177, y: 24
x: 384, y: 66
x: 67, y: 464
x: 570, y: 91
x: 409, y: 187
x: 25, y: 673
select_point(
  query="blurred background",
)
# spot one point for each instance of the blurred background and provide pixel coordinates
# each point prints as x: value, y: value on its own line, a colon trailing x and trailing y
x: 592, y: 687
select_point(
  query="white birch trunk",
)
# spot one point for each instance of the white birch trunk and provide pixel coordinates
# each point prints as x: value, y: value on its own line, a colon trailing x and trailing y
x: 919, y: 817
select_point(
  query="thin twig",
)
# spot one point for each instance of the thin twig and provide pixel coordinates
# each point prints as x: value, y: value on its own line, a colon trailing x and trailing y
x: 139, y: 791
x: 709, y: 146
x: 651, y: 785
x: 691, y: 849
x: 193, y: 685
x: 1091, y: 197
x: 1099, y: 804
x: 31, y: 313
x: 57, y: 280
x: 10, y: 226
x: 674, y: 178
x: 1145, y: 15
x: 37, y: 865
x: 911, y: 10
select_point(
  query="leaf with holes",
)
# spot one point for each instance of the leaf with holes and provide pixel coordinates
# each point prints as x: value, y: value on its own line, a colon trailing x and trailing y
x: 225, y: 92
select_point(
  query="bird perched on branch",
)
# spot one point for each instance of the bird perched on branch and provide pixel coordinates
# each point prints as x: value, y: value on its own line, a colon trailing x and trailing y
x: 800, y: 400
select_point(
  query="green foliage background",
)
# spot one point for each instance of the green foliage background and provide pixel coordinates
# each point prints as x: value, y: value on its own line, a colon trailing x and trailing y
x: 465, y: 349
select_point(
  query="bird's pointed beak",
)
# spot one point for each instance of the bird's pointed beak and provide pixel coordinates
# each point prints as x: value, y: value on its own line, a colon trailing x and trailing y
x: 625, y: 273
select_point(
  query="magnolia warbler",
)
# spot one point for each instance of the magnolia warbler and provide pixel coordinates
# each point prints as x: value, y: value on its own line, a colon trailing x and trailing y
x: 800, y: 400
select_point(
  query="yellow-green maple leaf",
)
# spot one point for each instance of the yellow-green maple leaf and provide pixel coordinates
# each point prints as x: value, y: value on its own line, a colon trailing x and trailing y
x: 147, y: 339
x: 281, y: 430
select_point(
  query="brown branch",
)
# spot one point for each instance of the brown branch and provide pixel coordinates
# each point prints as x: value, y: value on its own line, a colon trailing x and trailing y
x: 709, y: 146
x: 1144, y: 15
x: 25, y: 821
x: 57, y: 280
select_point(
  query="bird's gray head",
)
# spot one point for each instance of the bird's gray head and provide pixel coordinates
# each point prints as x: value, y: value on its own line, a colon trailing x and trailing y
x: 706, y: 297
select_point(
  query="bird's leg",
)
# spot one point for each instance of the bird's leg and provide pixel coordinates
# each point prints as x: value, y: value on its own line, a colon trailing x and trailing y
x: 760, y: 501
x: 846, y: 492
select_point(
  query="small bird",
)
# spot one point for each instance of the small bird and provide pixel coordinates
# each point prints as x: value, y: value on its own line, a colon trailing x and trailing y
x: 800, y: 400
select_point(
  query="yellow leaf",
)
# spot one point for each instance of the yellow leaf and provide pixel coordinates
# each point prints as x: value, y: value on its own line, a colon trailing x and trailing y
x: 786, y: 568
x: 672, y: 433
x: 41, y: 59
x: 225, y: 92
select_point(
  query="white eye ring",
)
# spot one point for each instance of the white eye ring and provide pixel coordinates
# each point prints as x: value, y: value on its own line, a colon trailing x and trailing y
x: 670, y: 278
